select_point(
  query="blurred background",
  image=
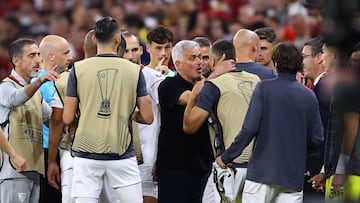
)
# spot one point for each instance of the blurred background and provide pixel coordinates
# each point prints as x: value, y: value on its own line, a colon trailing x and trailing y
x: 293, y: 20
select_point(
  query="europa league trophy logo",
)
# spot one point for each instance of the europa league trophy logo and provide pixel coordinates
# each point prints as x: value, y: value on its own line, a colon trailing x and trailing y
x: 106, y: 80
x: 246, y: 89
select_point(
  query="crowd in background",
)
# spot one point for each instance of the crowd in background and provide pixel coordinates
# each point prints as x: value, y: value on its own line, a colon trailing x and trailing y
x: 187, y: 19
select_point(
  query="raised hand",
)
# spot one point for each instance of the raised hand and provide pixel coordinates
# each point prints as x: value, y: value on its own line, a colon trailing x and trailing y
x: 300, y: 78
x: 222, y: 66
x: 163, y: 69
x: 198, y: 86
x: 51, y: 75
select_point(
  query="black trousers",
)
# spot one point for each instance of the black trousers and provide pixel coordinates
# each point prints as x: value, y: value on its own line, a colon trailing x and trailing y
x: 181, y: 186
x: 313, y: 167
x: 47, y: 192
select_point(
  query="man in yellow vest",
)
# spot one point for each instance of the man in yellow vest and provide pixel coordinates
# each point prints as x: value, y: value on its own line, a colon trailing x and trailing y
x: 62, y: 137
x: 106, y: 89
x: 227, y: 96
x: 22, y: 114
x: 54, y: 51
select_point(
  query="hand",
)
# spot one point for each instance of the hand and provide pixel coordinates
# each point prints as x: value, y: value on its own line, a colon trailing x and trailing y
x: 220, y: 162
x: 337, y: 184
x: 19, y: 162
x: 163, y: 69
x: 51, y: 75
x: 318, y: 182
x: 224, y: 66
x: 197, y: 87
x: 153, y: 172
x: 53, y: 174
x: 300, y: 78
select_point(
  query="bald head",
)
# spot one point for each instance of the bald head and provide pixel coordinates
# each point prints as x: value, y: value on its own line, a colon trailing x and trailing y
x: 55, y: 50
x: 51, y: 43
x: 246, y: 43
x: 89, y: 46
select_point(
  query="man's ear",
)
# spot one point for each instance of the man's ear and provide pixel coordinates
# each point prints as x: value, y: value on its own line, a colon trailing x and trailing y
x: 178, y: 63
x: 16, y: 60
x: 254, y: 47
x: 212, y: 62
x: 93, y: 39
x: 318, y: 58
x: 51, y: 56
x: 147, y: 47
x: 141, y: 49
x: 117, y: 38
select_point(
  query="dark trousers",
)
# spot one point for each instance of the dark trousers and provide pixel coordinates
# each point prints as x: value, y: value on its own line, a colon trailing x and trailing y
x: 181, y: 186
x: 313, y: 167
x: 47, y: 192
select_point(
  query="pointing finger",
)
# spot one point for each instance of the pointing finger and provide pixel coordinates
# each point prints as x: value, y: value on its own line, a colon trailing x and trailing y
x: 161, y: 61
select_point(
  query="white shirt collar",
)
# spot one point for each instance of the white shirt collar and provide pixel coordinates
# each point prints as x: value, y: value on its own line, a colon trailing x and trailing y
x: 317, y: 79
x: 18, y: 77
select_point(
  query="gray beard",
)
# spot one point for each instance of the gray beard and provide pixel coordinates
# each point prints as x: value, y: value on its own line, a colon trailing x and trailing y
x: 33, y: 74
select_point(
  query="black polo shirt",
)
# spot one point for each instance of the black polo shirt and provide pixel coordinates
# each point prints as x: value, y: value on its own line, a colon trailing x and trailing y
x: 177, y: 150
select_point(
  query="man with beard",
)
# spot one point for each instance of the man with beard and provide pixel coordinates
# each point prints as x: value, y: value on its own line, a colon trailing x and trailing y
x: 22, y: 114
x: 55, y: 51
x: 183, y: 161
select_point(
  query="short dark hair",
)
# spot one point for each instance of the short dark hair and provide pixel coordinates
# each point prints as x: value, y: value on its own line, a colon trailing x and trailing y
x: 105, y: 29
x: 127, y: 33
x: 221, y: 47
x: 266, y: 33
x: 160, y: 35
x: 16, y: 47
x: 122, y: 46
x: 316, y: 45
x: 202, y: 41
x: 287, y: 58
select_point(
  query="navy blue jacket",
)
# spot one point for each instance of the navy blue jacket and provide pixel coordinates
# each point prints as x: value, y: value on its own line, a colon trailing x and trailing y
x: 284, y: 118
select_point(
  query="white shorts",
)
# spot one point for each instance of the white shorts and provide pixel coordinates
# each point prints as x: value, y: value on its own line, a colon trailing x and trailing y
x: 66, y: 165
x: 149, y: 187
x: 89, y: 176
x: 209, y: 193
x: 257, y: 192
x: 108, y: 193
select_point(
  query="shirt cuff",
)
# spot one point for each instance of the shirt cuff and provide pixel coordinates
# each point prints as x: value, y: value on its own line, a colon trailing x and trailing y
x: 342, y: 164
x: 225, y: 158
x: 322, y: 169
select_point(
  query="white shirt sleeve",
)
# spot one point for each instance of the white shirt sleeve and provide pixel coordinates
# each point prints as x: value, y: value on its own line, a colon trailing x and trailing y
x: 56, y: 101
x: 46, y: 109
x: 11, y: 96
